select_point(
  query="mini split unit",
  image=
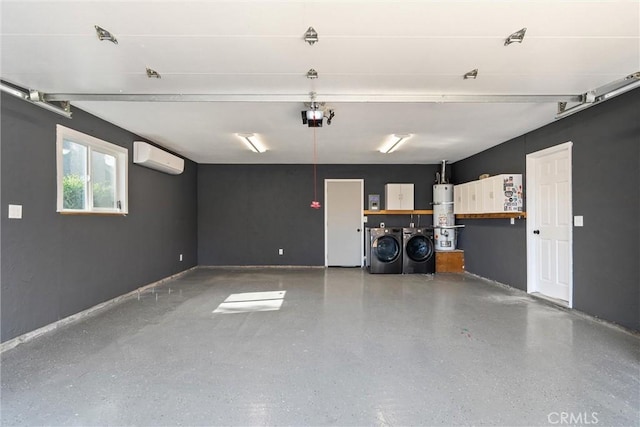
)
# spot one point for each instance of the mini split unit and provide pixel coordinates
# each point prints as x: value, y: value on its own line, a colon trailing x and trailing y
x: 154, y: 158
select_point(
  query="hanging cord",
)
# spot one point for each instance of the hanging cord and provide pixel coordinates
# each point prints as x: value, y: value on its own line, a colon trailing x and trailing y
x: 315, y: 166
x: 315, y: 204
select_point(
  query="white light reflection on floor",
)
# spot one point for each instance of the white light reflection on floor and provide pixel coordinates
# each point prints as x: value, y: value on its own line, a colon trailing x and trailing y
x: 252, y: 301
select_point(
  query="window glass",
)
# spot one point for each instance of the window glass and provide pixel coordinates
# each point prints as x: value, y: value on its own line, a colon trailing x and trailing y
x: 74, y: 181
x: 91, y: 174
x: 103, y: 180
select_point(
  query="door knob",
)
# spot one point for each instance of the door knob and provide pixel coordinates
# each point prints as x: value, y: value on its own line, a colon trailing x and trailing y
x: 359, y: 230
x: 536, y: 231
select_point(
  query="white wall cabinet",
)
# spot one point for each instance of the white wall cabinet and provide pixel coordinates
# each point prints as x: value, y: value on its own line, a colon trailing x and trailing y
x: 475, y: 196
x: 458, y: 205
x: 496, y: 194
x: 398, y: 197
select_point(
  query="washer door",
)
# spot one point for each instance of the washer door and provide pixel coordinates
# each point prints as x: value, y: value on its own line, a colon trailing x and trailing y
x: 419, y: 248
x: 386, y: 249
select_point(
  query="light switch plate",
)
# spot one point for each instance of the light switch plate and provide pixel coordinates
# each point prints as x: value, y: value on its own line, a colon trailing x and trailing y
x: 578, y: 221
x: 15, y: 211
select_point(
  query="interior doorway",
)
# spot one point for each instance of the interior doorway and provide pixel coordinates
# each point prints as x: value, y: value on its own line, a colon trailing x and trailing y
x: 344, y: 242
x: 549, y: 223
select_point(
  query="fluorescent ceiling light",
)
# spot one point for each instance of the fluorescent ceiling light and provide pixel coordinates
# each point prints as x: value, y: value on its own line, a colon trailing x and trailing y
x: 252, y: 143
x: 394, y: 144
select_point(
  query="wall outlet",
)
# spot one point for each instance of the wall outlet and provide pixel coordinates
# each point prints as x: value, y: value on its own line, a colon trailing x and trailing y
x: 578, y: 221
x: 180, y: 257
x: 280, y: 251
x: 513, y: 221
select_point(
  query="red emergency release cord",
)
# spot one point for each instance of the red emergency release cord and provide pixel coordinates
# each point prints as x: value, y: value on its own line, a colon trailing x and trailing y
x: 315, y: 204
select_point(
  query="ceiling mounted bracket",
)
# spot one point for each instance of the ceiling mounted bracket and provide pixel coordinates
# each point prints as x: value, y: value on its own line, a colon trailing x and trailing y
x: 516, y: 37
x: 312, y: 74
x: 153, y: 74
x: 311, y: 36
x: 105, y: 35
x: 562, y: 106
x: 314, y: 105
x: 473, y: 74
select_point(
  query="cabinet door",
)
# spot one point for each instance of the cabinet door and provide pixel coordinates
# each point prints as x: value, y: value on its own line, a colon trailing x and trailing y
x: 492, y: 191
x: 398, y: 196
x: 488, y: 196
x: 457, y: 199
x: 464, y: 198
x: 392, y: 196
x: 406, y: 200
x: 475, y: 197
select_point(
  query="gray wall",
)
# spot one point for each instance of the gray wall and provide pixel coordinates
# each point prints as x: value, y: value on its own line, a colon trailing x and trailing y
x: 247, y: 212
x: 606, y: 191
x: 56, y: 265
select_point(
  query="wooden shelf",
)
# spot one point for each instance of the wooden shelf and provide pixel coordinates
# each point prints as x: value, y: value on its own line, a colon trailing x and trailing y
x: 493, y: 215
x: 461, y: 216
x: 384, y: 212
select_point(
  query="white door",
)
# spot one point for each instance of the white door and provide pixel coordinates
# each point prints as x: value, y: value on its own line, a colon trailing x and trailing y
x: 344, y: 241
x: 549, y: 241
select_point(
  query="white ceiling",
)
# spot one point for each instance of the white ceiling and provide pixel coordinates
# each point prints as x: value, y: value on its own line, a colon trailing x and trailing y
x: 367, y: 50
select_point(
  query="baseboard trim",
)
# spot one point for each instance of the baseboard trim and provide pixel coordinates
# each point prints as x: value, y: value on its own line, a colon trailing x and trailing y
x: 253, y: 267
x: 12, y: 343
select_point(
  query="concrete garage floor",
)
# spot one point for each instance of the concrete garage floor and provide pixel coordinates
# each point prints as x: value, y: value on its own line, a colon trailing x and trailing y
x: 346, y: 348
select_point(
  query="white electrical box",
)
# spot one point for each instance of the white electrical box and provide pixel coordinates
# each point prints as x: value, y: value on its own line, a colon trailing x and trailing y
x: 398, y: 197
x: 15, y: 211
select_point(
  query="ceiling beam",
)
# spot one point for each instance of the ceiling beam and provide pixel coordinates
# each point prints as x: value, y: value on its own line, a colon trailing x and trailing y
x: 333, y: 98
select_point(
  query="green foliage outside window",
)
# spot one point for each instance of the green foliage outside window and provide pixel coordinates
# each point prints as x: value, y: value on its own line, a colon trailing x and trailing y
x: 73, y: 193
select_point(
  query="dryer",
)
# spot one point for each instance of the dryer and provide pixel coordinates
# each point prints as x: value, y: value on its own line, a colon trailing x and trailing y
x: 384, y: 250
x: 418, y: 251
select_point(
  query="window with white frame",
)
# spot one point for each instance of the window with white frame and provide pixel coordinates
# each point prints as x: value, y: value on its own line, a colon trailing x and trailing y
x: 92, y: 174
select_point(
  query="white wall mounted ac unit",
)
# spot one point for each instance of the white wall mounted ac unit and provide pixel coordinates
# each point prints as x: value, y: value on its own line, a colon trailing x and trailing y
x: 152, y: 157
